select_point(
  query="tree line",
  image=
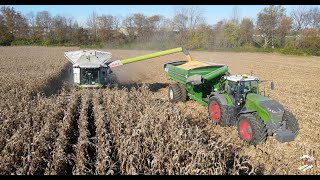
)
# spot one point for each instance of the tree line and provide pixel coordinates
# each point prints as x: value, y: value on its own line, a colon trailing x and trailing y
x: 273, y: 29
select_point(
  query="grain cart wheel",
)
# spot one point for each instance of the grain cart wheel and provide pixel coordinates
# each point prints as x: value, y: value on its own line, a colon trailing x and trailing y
x: 251, y: 129
x: 174, y: 93
x: 292, y: 123
x: 184, y: 96
x: 217, y: 112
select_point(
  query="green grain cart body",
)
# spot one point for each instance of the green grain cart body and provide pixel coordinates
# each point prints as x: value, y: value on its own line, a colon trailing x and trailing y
x: 208, y: 75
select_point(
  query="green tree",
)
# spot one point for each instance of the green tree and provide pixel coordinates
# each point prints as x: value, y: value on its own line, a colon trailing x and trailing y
x: 247, y: 30
x: 198, y: 38
x: 231, y: 35
x: 268, y: 22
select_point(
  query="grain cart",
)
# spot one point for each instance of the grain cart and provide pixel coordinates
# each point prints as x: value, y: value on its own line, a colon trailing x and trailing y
x: 231, y: 100
x: 91, y: 67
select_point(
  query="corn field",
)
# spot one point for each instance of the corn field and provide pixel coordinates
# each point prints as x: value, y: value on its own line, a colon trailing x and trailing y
x: 130, y: 127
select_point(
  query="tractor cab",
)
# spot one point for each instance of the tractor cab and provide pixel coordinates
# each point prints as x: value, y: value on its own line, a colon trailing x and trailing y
x: 242, y: 84
x: 239, y: 86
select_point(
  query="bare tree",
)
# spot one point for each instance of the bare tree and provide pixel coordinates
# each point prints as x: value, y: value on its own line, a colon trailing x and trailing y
x: 314, y: 17
x: 116, y: 22
x: 32, y: 24
x: 188, y: 17
x: 105, y: 27
x: 180, y: 22
x: 43, y: 24
x: 60, y: 29
x: 300, y: 18
x: 235, y: 15
x: 92, y: 24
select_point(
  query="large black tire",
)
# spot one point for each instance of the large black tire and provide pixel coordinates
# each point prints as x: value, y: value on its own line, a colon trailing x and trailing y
x: 251, y: 129
x: 184, y: 96
x: 217, y: 112
x: 174, y: 93
x: 292, y: 122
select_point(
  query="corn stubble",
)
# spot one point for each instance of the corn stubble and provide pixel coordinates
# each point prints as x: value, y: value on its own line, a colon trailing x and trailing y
x: 107, y: 131
x: 133, y: 130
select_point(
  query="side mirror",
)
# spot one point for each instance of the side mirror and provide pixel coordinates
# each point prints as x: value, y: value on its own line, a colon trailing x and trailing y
x: 272, y: 85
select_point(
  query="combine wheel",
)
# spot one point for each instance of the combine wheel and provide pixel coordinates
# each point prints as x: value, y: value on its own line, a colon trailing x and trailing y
x: 175, y: 93
x: 217, y: 112
x: 292, y: 123
x: 251, y: 129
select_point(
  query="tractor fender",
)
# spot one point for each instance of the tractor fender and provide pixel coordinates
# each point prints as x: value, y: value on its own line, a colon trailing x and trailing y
x: 245, y: 112
x: 220, y: 97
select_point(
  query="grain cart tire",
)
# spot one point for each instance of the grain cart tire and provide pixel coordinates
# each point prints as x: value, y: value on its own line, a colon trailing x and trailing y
x: 292, y: 122
x: 174, y: 93
x: 217, y: 112
x: 184, y: 96
x: 251, y: 129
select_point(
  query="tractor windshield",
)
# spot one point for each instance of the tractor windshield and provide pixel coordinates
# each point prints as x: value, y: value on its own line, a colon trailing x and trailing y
x: 249, y: 86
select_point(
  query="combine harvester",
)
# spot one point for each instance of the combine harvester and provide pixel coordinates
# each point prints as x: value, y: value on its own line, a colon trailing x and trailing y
x: 91, y: 67
x: 231, y: 99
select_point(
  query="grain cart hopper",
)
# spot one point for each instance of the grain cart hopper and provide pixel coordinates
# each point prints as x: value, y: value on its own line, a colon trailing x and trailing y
x: 91, y: 67
x: 231, y: 100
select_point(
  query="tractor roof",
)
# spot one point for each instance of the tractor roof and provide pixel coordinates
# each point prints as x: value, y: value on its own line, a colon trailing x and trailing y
x: 241, y: 78
x: 88, y: 58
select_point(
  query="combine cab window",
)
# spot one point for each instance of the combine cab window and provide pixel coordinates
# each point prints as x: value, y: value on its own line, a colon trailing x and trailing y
x: 89, y: 76
x: 249, y: 86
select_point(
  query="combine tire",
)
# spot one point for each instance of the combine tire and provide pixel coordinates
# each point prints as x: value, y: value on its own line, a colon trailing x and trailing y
x: 292, y: 123
x: 251, y: 129
x: 217, y: 112
x: 175, y: 93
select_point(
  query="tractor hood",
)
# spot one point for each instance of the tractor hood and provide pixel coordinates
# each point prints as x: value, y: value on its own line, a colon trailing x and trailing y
x: 266, y: 107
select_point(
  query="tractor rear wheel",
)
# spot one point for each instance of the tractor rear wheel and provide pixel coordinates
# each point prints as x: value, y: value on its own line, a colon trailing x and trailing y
x: 174, y: 93
x: 251, y: 129
x: 292, y: 122
x: 217, y: 112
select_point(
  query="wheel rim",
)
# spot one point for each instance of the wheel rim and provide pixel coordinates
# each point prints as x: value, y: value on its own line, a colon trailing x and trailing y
x: 170, y: 94
x: 245, y: 130
x: 215, y: 111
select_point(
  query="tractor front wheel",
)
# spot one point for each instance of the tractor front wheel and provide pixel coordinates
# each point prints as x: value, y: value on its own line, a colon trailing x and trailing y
x: 292, y: 123
x: 251, y: 129
x: 218, y: 112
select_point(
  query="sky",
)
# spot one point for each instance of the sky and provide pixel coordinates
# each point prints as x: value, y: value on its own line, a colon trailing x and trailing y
x: 212, y: 13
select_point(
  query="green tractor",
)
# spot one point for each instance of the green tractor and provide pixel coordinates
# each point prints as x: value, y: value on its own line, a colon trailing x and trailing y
x: 231, y: 100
